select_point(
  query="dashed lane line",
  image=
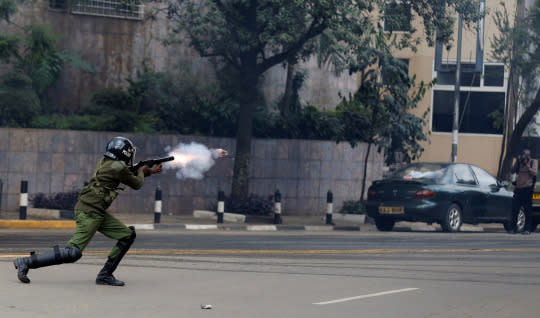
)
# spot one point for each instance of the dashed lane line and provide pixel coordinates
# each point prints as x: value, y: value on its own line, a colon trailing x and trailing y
x: 389, y: 292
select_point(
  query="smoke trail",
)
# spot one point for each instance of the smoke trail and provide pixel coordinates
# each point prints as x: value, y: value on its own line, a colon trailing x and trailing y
x: 191, y: 160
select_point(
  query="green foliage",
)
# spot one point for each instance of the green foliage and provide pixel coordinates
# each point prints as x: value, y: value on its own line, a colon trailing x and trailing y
x: 353, y: 207
x: 380, y: 112
x: 111, y: 109
x: 518, y: 46
x: 306, y: 123
x: 184, y: 104
x: 36, y: 56
x: 9, y: 46
x: 7, y: 9
x: 251, y: 205
x: 18, y: 101
x: 57, y: 201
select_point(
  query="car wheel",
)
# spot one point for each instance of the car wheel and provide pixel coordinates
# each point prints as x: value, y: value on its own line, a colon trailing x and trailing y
x: 521, y: 219
x: 384, y: 224
x: 453, y: 219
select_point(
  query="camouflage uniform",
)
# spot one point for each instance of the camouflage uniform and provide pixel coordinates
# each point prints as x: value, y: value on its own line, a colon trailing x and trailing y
x: 91, y: 215
x: 95, y: 199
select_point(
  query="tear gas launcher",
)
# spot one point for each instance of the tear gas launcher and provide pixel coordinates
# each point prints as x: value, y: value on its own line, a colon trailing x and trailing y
x: 150, y: 163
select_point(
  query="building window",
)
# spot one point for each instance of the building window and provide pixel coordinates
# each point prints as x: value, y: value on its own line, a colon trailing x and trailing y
x: 468, y: 77
x: 110, y: 8
x: 386, y: 75
x: 482, y: 99
x: 474, y: 111
x: 494, y: 75
x: 397, y: 17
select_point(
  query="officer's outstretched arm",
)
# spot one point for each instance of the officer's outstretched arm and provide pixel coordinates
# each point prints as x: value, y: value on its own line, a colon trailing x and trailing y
x: 134, y: 181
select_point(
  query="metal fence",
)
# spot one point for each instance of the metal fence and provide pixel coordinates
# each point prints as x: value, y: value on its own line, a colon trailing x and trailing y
x: 109, y: 8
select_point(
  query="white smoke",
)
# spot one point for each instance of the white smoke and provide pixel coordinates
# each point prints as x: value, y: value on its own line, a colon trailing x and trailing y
x: 191, y: 160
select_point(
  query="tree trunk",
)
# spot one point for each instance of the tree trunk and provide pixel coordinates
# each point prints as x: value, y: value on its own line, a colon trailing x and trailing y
x: 512, y: 101
x: 242, y: 159
x: 364, y: 177
x: 287, y: 96
x: 514, y: 142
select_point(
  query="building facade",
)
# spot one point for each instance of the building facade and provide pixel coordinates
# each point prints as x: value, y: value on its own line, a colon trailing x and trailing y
x: 482, y: 94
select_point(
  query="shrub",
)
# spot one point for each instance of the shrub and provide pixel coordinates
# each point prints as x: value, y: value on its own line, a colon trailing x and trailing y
x: 18, y: 100
x: 352, y: 207
x: 59, y: 201
x: 253, y: 205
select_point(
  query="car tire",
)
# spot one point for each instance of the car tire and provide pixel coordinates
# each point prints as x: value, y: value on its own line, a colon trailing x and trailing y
x: 384, y: 224
x: 519, y: 225
x: 453, y: 219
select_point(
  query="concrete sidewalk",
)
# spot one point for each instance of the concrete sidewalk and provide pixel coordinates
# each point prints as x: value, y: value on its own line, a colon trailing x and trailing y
x: 253, y: 223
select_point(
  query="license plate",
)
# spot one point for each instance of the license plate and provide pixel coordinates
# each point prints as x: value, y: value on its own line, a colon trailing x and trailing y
x: 391, y: 210
x: 536, y: 196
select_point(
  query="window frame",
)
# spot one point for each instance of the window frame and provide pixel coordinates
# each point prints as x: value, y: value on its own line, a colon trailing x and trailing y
x: 480, y: 89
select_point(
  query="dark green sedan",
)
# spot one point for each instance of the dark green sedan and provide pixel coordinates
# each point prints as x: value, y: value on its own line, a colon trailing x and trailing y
x: 444, y: 193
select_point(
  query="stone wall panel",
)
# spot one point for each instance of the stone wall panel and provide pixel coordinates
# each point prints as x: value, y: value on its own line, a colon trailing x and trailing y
x: 300, y: 169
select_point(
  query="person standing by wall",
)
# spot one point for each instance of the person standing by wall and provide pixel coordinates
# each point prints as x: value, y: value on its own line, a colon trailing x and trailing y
x: 525, y: 168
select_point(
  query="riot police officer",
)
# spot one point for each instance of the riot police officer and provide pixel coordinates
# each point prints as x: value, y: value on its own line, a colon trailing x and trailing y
x: 91, y: 214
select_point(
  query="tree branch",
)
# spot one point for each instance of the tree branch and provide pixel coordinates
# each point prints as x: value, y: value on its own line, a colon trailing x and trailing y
x: 313, y: 31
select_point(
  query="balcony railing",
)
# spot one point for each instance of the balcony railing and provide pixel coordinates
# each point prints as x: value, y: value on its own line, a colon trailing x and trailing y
x: 109, y: 8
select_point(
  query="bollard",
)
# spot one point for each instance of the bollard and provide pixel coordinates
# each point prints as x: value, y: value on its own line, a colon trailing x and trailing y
x: 23, y: 203
x: 277, y: 207
x: 220, y: 206
x: 157, y: 206
x: 329, y: 207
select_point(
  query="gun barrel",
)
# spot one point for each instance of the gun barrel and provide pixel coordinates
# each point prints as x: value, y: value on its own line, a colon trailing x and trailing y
x: 171, y: 158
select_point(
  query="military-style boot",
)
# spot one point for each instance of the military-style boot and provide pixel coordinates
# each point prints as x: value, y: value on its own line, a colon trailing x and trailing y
x: 54, y: 257
x: 105, y: 276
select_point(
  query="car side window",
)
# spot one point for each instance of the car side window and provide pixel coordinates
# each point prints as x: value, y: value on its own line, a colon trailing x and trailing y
x: 483, y: 177
x: 463, y: 175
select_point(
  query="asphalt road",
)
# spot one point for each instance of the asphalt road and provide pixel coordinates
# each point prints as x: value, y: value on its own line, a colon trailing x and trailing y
x: 296, y: 274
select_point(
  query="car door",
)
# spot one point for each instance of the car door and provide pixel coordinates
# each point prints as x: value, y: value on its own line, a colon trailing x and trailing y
x: 498, y: 202
x: 467, y: 192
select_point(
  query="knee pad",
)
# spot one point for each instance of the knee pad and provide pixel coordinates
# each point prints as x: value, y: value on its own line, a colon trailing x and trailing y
x: 69, y: 254
x: 133, y: 233
x: 125, y: 243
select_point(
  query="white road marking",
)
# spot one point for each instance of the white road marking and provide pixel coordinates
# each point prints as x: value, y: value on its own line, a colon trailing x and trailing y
x: 201, y: 227
x: 143, y: 226
x: 365, y: 296
x: 262, y: 228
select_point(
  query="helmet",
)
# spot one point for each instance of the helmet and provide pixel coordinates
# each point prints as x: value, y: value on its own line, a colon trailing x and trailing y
x: 120, y: 148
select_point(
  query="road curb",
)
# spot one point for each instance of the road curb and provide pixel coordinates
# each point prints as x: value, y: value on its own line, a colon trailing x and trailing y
x: 405, y: 226
x: 37, y: 224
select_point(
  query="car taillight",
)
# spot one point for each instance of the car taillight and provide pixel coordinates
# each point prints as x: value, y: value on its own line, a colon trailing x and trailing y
x: 371, y: 194
x: 424, y: 194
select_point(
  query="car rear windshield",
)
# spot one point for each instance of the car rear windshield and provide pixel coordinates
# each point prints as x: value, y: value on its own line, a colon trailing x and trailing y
x: 433, y: 172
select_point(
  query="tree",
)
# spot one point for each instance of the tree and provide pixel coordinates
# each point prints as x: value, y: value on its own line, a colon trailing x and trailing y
x: 245, y: 38
x: 35, y: 55
x: 379, y: 111
x: 517, y: 46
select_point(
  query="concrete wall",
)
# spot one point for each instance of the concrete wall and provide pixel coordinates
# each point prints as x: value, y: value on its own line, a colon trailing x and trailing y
x: 61, y: 160
x: 118, y: 48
